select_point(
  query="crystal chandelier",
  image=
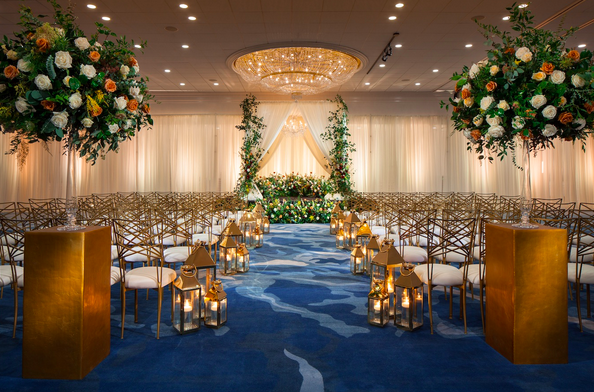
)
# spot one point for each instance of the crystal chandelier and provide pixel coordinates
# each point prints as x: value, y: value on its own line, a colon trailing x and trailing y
x: 294, y: 126
x: 297, y: 69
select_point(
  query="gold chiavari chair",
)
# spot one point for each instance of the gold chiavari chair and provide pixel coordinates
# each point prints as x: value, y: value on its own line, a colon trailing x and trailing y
x: 580, y: 269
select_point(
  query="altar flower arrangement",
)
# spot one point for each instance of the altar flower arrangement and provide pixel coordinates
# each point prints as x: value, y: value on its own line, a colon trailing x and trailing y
x: 299, y: 211
x: 58, y: 84
x: 293, y: 185
x: 530, y: 86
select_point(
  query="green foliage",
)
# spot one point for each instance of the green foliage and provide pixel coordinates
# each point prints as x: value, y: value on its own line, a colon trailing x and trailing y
x: 292, y: 185
x: 298, y: 211
x: 251, y: 152
x: 337, y: 132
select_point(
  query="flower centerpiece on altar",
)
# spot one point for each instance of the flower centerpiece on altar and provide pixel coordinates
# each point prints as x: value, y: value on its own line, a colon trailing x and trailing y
x: 530, y: 87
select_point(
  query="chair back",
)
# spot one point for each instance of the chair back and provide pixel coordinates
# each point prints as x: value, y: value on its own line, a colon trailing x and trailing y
x: 451, y: 240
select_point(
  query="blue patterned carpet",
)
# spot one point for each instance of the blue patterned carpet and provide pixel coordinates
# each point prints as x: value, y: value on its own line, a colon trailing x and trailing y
x: 297, y: 322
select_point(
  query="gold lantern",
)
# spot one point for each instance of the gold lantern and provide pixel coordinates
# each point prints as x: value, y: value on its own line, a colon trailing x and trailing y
x: 247, y: 224
x: 187, y: 307
x: 265, y: 225
x: 258, y: 237
x: 378, y: 305
x: 243, y: 259
x: 372, y: 248
x: 259, y: 214
x: 340, y: 239
x: 334, y: 219
x: 228, y: 256
x: 340, y: 220
x: 233, y: 231
x: 363, y: 237
x: 351, y: 227
x: 215, y: 306
x: 201, y: 259
x: 383, y: 268
x: 357, y: 257
x: 408, y: 313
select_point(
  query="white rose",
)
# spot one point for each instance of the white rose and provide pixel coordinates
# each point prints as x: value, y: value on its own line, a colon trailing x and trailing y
x: 524, y: 54
x: 113, y: 128
x: 503, y: 105
x: 97, y: 45
x: 526, y: 57
x: 139, y: 98
x: 496, y: 131
x: 538, y: 100
x: 87, y: 122
x: 82, y: 43
x: 493, y: 120
x: 580, y: 122
x: 456, y: 100
x: 59, y: 30
x: 120, y: 103
x: 486, y: 102
x: 134, y: 91
x: 88, y: 70
x: 24, y: 66
x: 518, y: 122
x: 557, y: 76
x: 60, y: 119
x: 474, y: 70
x: 549, y: 130
x: 539, y: 76
x: 43, y: 82
x: 124, y: 70
x: 129, y: 124
x: 2, y: 88
x: 466, y: 87
x: 578, y: 81
x: 477, y: 120
x: 493, y: 70
x: 63, y: 60
x: 482, y: 63
x: 562, y: 101
x: 549, y: 112
x: 136, y: 68
x: 12, y: 55
x: 75, y: 100
x: 21, y: 105
x: 468, y: 102
x: 66, y: 80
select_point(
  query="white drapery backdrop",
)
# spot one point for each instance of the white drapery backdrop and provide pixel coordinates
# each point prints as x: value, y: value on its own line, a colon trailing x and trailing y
x: 201, y: 153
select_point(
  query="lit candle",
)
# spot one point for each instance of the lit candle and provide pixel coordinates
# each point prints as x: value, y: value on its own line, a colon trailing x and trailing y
x: 187, y: 306
x: 405, y: 302
x: 377, y: 306
x: 214, y: 306
x: 419, y: 296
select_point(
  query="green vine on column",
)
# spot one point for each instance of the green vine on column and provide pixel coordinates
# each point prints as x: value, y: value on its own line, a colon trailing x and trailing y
x: 251, y: 152
x: 337, y: 132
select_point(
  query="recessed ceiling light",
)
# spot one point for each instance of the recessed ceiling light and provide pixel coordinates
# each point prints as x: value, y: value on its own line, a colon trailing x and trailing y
x: 185, y: 46
x: 468, y: 45
x: 382, y: 65
x: 417, y: 84
x: 167, y: 70
x: 215, y: 83
x: 439, y: 91
x: 392, y: 17
x: 581, y: 45
x: 523, y: 5
x: 91, y: 6
x: 192, y: 17
x: 137, y: 46
x: 183, y: 6
x: 398, y: 46
x: 182, y: 84
x: 436, y: 70
x: 399, y: 5
x: 506, y: 17
x: 367, y: 83
x: 105, y: 18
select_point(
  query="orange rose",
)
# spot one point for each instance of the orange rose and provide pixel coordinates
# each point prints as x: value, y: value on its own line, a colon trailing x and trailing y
x: 456, y: 109
x: 132, y: 105
x: 530, y: 113
x: 95, y: 111
x: 589, y: 107
x: 526, y: 137
x: 574, y: 55
x: 42, y: 44
x: 94, y: 56
x: 465, y: 93
x: 30, y: 36
x: 11, y: 72
x: 476, y: 134
x: 491, y: 86
x: 466, y: 121
x: 48, y: 105
x: 110, y: 86
x: 565, y: 118
x: 132, y: 62
x: 509, y: 51
x: 146, y: 109
x: 457, y: 88
x: 547, y: 68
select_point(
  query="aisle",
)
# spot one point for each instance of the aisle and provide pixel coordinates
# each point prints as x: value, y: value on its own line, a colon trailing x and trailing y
x: 297, y: 321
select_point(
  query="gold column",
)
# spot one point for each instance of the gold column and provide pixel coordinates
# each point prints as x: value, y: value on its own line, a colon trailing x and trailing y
x: 526, y: 308
x: 66, y: 307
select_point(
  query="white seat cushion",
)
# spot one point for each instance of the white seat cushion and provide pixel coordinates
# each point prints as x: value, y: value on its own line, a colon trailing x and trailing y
x: 573, y: 256
x: 146, y: 277
x: 114, y: 252
x: 116, y: 275
x: 587, y: 239
x: 198, y: 230
x: 587, y: 276
x: 476, y: 253
x: 19, y: 256
x: 413, y: 254
x: 136, y: 257
x: 451, y: 257
x: 177, y: 254
x: 443, y: 275
x: 204, y: 238
x: 5, y: 275
x: 378, y: 230
x: 173, y: 240
x: 473, y: 274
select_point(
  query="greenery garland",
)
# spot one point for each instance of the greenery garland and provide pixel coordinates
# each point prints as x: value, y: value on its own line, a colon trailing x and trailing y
x: 251, y: 152
x: 298, y: 211
x: 337, y: 132
x: 292, y: 185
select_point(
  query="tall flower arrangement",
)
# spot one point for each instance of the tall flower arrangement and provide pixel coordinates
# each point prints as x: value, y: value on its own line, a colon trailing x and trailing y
x: 530, y: 86
x: 292, y: 185
x: 251, y: 152
x: 58, y: 84
x: 337, y: 132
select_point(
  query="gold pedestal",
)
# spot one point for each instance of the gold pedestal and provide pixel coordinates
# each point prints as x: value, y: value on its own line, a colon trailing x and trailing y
x: 526, y: 308
x: 66, y: 307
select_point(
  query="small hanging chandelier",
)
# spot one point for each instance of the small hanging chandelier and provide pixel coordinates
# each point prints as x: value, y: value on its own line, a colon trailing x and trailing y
x: 294, y: 126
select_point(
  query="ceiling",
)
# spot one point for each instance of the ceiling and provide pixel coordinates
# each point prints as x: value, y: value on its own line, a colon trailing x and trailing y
x: 433, y: 35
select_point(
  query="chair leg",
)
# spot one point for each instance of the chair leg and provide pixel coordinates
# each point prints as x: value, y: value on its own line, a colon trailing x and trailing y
x: 577, y: 301
x: 172, y: 301
x: 451, y: 301
x: 570, y: 292
x: 16, y: 311
x: 2, y: 292
x: 135, y: 306
x: 471, y: 288
x: 482, y: 305
x: 123, y: 299
x: 463, y: 305
x: 430, y: 307
x: 588, y: 299
x: 159, y: 311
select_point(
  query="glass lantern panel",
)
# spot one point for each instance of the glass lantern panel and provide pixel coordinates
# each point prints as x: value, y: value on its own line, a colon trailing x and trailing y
x: 223, y: 311
x: 187, y: 310
x: 356, y: 265
x: 377, y: 273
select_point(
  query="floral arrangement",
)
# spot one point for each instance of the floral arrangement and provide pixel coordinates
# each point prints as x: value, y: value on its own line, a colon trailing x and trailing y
x: 300, y: 211
x: 530, y: 86
x: 251, y: 152
x: 292, y: 185
x: 337, y: 132
x: 59, y: 84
